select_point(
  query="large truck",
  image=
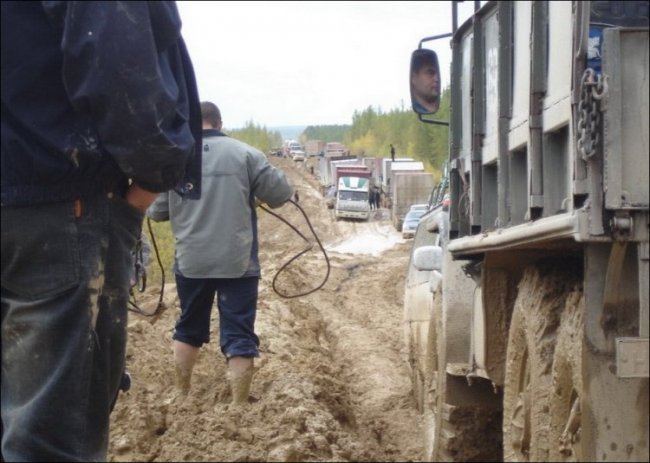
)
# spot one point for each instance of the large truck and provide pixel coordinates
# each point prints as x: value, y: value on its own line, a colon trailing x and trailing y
x: 328, y: 168
x: 526, y: 300
x: 352, y: 192
x: 408, y: 188
x: 315, y: 148
x: 334, y: 148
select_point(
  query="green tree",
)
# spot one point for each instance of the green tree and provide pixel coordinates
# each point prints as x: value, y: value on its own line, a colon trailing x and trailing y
x: 373, y: 131
x: 257, y: 136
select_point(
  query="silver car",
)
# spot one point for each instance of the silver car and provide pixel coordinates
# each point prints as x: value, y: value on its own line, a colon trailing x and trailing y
x: 411, y: 222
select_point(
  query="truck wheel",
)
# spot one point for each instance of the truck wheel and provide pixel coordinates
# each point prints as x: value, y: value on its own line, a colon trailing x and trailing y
x: 417, y: 379
x: 430, y: 402
x: 517, y: 405
x: 531, y: 343
x: 461, y: 422
x: 566, y: 423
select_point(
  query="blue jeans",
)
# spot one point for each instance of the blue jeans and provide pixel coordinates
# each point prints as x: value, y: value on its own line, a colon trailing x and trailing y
x: 64, y: 313
x: 237, y: 303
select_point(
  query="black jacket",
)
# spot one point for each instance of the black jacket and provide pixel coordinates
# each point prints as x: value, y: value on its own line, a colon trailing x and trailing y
x: 94, y: 93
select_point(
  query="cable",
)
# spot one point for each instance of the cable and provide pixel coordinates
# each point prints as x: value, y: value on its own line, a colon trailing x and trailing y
x: 308, y: 248
x: 161, y: 305
x: 138, y: 266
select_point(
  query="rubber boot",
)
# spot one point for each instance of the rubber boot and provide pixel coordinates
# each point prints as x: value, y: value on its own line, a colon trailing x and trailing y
x: 184, y: 358
x: 240, y: 376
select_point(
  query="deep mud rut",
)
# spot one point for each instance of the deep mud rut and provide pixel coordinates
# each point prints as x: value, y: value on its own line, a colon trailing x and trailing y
x: 331, y: 383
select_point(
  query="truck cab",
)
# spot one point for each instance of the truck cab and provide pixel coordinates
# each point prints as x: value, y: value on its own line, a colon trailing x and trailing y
x: 352, y: 197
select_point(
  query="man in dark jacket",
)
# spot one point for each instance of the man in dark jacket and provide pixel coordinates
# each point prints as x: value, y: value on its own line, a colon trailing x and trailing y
x: 100, y: 113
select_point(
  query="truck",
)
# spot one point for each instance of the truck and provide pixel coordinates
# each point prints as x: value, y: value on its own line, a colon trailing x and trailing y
x: 387, y: 170
x: 349, y: 169
x: 408, y: 188
x: 334, y: 148
x: 327, y: 166
x: 315, y: 148
x: 352, y: 192
x: 526, y: 294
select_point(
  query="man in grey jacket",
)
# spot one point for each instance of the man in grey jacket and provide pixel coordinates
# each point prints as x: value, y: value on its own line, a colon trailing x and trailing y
x: 217, y: 252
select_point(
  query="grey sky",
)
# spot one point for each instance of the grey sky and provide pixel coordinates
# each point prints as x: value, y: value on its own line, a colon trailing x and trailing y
x: 308, y: 63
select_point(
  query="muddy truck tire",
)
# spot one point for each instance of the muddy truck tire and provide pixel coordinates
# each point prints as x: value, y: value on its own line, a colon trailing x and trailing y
x: 567, y: 391
x: 461, y: 417
x: 540, y: 302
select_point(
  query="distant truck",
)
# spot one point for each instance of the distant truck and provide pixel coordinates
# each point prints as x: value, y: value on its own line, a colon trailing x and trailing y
x: 328, y: 165
x: 349, y: 169
x: 335, y: 149
x: 386, y: 166
x: 290, y: 145
x: 315, y: 148
x: 352, y: 193
x: 408, y: 188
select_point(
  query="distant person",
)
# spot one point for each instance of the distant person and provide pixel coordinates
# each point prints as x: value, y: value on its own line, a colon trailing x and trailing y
x: 99, y: 112
x: 392, y: 152
x: 425, y: 82
x: 217, y: 252
x: 371, y: 199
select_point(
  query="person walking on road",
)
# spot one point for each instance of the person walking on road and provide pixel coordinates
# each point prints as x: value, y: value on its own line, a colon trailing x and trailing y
x: 100, y: 113
x: 217, y: 252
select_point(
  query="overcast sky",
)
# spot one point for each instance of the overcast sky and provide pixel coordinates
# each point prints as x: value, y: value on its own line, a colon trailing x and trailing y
x: 309, y: 63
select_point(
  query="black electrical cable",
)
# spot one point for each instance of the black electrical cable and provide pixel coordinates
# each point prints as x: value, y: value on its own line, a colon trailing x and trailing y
x: 139, y: 266
x: 308, y: 248
x: 140, y: 270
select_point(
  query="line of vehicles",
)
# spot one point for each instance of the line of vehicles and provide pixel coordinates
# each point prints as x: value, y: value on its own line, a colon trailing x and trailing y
x: 298, y: 152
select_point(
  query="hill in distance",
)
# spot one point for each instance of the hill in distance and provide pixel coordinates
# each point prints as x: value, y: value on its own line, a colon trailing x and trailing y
x: 291, y: 132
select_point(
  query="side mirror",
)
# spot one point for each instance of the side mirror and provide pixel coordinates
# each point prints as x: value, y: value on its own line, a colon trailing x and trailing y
x: 424, y: 79
x: 428, y: 258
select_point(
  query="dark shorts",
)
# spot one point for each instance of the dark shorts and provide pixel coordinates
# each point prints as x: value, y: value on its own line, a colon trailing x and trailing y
x: 237, y: 304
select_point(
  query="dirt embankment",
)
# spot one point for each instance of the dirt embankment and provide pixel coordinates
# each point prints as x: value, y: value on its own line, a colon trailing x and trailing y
x: 331, y: 383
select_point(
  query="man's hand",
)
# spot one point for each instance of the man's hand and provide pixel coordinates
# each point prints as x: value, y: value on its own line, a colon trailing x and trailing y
x: 139, y: 198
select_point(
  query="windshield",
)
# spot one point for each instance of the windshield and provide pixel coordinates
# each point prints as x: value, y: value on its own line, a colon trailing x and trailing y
x: 414, y: 215
x: 353, y: 195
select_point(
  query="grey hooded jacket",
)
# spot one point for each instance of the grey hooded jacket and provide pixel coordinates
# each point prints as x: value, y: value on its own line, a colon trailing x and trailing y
x: 216, y: 236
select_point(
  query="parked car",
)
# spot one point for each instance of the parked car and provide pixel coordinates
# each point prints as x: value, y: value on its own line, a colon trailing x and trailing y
x: 419, y: 207
x: 410, y: 223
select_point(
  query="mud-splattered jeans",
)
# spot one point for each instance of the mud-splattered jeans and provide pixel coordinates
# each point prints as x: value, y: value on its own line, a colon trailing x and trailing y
x: 65, y: 270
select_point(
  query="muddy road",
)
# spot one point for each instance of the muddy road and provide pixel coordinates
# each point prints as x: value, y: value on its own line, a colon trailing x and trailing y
x: 331, y: 383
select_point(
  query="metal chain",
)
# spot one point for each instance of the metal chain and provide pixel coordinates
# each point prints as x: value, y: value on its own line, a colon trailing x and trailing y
x: 593, y: 89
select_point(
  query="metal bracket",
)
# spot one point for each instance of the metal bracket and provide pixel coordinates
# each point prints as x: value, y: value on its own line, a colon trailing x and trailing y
x: 632, y: 358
